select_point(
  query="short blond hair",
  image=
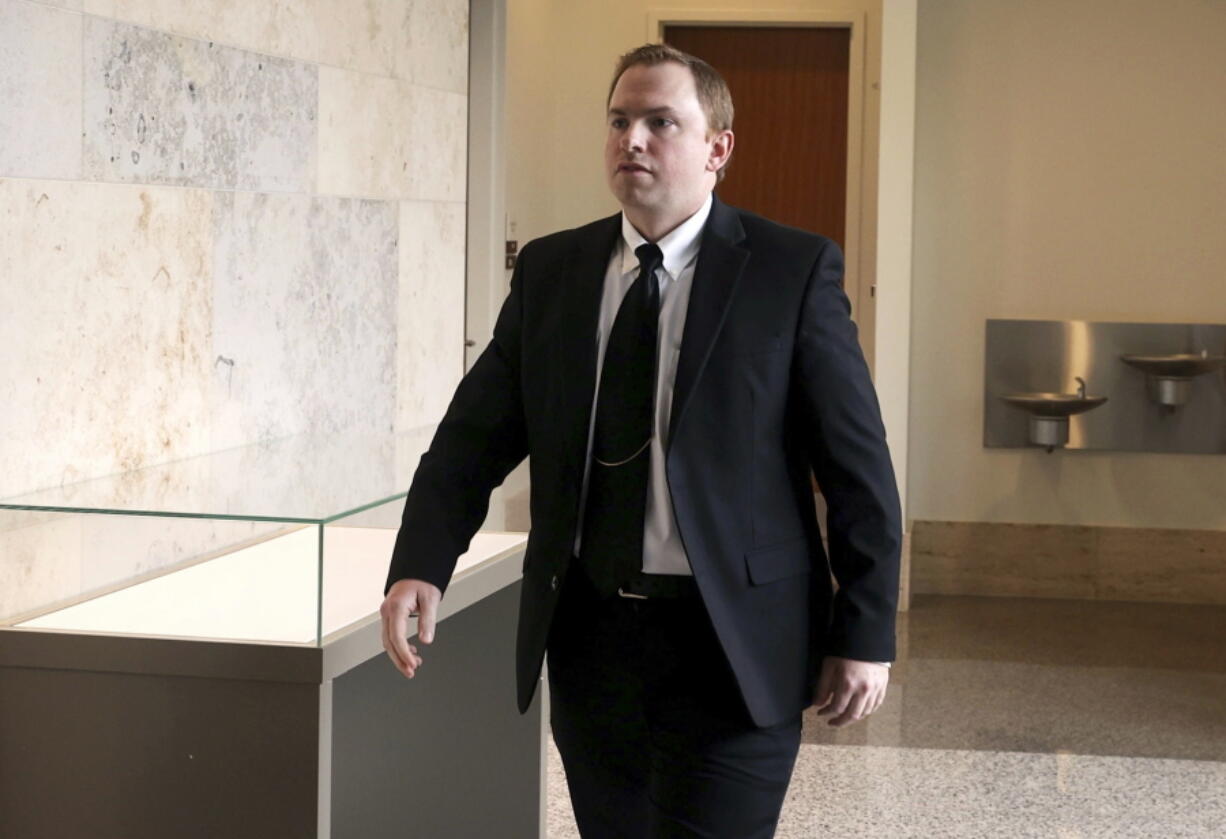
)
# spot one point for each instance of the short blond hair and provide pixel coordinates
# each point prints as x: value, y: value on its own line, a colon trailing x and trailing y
x: 713, y: 93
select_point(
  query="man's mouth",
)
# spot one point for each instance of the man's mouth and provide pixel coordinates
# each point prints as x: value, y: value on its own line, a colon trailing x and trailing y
x: 631, y: 167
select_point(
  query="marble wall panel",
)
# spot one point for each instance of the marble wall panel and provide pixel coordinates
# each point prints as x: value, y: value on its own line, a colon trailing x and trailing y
x: 1002, y: 559
x: 358, y: 36
x: 165, y: 109
x: 904, y: 573
x: 1175, y: 566
x: 1069, y: 561
x: 71, y: 5
x: 384, y: 138
x: 421, y: 41
x: 106, y: 314
x: 437, y: 148
x: 51, y: 560
x: 304, y: 298
x: 411, y: 444
x: 116, y: 551
x: 128, y: 350
x: 433, y: 48
x: 40, y: 91
x: 40, y: 560
x: 431, y: 310
x: 1049, y: 631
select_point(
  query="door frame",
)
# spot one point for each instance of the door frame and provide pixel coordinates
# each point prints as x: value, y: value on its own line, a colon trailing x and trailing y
x: 485, y: 277
x: 859, y: 280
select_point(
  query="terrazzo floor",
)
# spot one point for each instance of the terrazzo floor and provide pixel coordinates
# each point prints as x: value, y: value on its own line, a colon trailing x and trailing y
x: 1020, y: 717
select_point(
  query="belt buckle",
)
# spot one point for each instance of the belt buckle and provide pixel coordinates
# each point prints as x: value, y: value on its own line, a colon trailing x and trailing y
x: 625, y: 593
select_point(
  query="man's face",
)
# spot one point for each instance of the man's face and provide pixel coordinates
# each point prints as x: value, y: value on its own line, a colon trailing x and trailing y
x: 658, y: 158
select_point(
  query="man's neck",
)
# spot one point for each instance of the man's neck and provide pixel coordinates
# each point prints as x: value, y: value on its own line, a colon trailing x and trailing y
x: 654, y: 227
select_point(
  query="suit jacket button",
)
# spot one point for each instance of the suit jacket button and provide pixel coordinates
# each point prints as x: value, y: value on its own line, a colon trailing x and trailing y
x: 553, y: 584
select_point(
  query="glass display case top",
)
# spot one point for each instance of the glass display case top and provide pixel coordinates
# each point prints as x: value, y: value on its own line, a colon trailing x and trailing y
x: 311, y: 478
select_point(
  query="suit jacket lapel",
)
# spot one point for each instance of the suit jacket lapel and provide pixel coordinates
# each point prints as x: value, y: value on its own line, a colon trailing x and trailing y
x: 721, y: 261
x: 583, y: 283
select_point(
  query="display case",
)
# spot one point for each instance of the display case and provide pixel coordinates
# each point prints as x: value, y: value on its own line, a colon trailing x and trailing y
x: 194, y: 649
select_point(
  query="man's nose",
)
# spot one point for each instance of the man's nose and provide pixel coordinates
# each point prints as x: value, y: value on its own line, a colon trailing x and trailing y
x: 632, y: 140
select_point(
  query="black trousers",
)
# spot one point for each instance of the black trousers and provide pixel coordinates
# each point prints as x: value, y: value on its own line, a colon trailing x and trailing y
x: 654, y: 736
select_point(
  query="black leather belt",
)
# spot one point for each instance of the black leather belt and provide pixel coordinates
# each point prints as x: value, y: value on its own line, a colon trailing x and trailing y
x: 668, y: 586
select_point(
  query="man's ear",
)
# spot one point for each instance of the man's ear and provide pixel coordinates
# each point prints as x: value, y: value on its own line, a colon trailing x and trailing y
x: 721, y: 150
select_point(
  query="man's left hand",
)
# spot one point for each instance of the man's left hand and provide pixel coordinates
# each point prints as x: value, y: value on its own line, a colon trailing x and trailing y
x: 850, y: 689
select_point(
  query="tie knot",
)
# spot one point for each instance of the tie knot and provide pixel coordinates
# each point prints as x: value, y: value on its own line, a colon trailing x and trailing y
x: 650, y: 256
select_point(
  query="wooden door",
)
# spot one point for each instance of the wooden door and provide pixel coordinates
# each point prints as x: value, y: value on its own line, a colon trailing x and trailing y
x: 789, y: 91
x: 789, y: 96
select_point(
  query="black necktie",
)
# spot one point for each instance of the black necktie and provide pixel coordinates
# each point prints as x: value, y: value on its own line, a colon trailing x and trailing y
x: 611, y: 547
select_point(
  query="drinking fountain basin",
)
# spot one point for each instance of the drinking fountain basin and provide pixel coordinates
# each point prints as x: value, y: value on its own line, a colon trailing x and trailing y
x: 1170, y: 376
x: 1178, y: 366
x: 1049, y: 413
x: 1054, y: 405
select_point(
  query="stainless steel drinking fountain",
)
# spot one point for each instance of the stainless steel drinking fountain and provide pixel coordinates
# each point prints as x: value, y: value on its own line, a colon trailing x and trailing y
x: 1169, y: 377
x: 1049, y: 412
x: 1031, y: 395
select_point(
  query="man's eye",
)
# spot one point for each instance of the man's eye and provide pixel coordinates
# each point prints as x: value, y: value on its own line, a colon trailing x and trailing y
x: 661, y: 122
x: 618, y: 123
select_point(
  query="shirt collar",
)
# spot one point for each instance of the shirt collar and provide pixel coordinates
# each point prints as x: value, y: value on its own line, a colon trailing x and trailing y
x: 678, y: 247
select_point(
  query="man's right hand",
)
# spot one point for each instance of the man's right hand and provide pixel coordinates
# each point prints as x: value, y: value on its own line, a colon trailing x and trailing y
x: 404, y: 599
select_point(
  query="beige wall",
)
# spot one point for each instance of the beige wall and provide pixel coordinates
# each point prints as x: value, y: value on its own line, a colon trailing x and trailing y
x: 1069, y: 164
x: 895, y: 201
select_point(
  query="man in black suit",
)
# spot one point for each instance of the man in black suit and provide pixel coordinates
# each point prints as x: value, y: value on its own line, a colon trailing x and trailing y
x: 673, y: 372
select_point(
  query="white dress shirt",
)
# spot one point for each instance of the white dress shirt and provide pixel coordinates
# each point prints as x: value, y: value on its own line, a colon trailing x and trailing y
x: 663, y: 552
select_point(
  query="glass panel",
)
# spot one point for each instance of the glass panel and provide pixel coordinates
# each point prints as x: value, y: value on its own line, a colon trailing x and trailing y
x: 356, y: 553
x: 159, y: 576
x: 222, y: 546
x: 306, y: 477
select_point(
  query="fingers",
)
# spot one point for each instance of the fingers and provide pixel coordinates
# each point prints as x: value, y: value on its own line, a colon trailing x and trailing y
x: 428, y: 597
x: 397, y: 608
x: 390, y: 632
x: 848, y: 692
x: 854, y: 712
x: 836, y: 707
x: 877, y: 701
x: 400, y: 641
x: 385, y: 626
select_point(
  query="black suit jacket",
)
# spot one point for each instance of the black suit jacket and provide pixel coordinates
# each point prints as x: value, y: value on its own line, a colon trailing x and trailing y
x: 770, y: 382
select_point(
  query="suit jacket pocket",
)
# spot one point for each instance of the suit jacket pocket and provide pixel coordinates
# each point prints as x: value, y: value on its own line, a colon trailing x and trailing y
x: 775, y: 562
